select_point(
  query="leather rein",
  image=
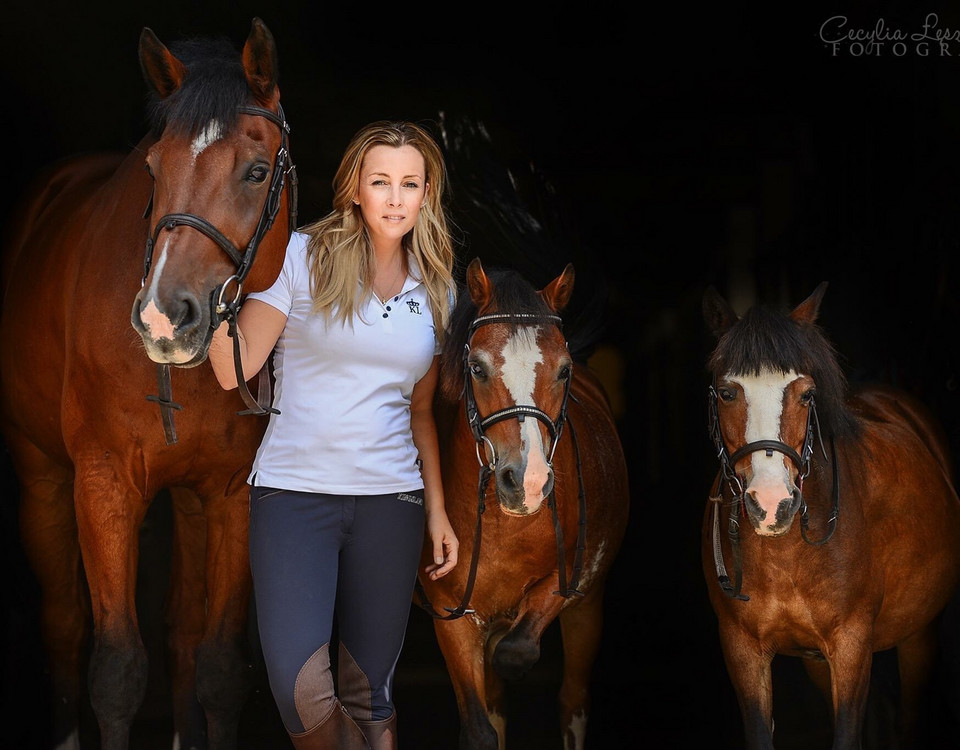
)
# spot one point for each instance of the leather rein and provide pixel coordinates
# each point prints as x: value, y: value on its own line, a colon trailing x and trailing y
x: 519, y: 412
x: 221, y: 306
x: 727, y: 472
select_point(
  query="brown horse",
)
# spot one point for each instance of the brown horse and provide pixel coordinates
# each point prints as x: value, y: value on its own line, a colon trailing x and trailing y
x: 875, y: 556
x: 512, y: 399
x: 91, y: 443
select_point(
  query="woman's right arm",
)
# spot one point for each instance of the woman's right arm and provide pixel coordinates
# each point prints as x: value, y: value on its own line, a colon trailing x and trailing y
x: 259, y: 326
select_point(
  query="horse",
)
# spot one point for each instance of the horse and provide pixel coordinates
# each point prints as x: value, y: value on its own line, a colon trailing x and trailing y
x: 89, y: 334
x: 512, y: 398
x: 875, y: 557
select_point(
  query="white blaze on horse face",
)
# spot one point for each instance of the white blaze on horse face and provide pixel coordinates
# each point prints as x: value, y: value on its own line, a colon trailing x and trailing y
x: 211, y: 133
x: 156, y: 321
x: 520, y: 359
x: 771, y: 481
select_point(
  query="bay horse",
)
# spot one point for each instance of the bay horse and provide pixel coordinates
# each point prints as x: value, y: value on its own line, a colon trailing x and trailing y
x: 541, y: 520
x: 176, y: 228
x: 875, y: 556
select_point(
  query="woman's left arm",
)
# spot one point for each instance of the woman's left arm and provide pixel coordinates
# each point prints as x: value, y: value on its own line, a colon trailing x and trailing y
x: 424, y: 427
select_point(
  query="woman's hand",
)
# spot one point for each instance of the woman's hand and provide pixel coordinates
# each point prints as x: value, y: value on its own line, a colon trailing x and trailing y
x: 446, y: 546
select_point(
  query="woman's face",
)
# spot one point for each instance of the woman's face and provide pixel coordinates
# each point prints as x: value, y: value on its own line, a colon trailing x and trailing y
x: 392, y: 188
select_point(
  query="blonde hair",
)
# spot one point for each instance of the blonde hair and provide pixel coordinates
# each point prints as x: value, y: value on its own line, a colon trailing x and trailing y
x: 339, y: 251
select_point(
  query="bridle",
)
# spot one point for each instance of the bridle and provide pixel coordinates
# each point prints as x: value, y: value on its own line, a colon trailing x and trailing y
x: 221, y: 306
x: 478, y: 425
x: 728, y: 461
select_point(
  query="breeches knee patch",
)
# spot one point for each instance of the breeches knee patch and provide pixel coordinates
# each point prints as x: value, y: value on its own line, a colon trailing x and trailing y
x: 314, y: 694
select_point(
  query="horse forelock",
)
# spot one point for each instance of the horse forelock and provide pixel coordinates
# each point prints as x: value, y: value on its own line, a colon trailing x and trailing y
x: 765, y: 339
x: 214, y: 88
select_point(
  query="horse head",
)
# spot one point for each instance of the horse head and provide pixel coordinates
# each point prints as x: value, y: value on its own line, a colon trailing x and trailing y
x: 763, y: 400
x: 221, y: 173
x: 517, y: 372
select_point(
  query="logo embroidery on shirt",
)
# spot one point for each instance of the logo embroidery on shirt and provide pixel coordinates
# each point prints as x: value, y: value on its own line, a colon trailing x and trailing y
x: 413, y: 306
x: 408, y: 498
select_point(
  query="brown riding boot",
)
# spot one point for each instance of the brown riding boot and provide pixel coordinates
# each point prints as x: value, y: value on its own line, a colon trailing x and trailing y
x: 382, y: 735
x: 337, y: 732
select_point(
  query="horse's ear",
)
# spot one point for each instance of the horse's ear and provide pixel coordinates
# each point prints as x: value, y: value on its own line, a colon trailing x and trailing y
x: 808, y: 310
x: 478, y: 285
x: 161, y: 70
x: 717, y: 313
x: 260, y: 63
x: 557, y: 292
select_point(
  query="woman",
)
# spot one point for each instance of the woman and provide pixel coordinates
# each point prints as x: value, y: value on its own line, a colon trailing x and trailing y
x: 347, y: 475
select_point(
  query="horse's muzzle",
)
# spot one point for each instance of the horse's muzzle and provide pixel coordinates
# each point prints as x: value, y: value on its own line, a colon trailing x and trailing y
x: 782, y: 519
x: 176, y: 334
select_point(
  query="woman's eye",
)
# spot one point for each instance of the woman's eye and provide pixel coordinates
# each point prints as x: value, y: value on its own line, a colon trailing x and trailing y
x: 258, y: 174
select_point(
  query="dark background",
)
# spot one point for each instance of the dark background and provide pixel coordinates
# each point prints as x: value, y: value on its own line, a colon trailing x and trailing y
x: 685, y: 148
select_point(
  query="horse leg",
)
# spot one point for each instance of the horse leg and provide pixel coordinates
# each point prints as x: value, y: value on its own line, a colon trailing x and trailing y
x: 48, y: 533
x: 819, y: 673
x: 184, y: 614
x: 462, y: 643
x: 850, y: 657
x: 748, y: 664
x: 581, y: 626
x: 916, y: 657
x: 493, y: 683
x: 109, y: 514
x: 224, y: 679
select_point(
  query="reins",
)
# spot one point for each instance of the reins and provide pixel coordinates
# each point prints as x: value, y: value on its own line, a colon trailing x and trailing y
x: 221, y: 307
x: 555, y: 427
x: 728, y: 461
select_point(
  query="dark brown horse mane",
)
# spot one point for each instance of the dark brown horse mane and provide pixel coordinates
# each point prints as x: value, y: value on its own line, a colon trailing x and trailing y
x: 764, y: 337
x: 214, y: 88
x: 512, y: 294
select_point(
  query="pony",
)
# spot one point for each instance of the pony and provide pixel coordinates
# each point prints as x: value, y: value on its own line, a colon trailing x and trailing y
x: 875, y: 556
x: 166, y: 237
x: 542, y: 522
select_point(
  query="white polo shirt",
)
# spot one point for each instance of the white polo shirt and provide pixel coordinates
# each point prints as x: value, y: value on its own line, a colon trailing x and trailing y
x: 344, y: 392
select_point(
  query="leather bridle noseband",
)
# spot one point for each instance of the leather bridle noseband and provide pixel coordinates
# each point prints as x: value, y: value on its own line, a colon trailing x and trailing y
x: 478, y: 425
x: 221, y: 307
x: 728, y: 472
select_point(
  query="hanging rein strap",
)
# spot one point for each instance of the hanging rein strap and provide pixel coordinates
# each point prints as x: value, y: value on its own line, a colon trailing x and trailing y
x: 221, y: 309
x: 463, y: 608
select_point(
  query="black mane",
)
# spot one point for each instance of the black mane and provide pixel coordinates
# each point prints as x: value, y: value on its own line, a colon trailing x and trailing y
x: 512, y: 294
x: 764, y: 338
x: 214, y: 87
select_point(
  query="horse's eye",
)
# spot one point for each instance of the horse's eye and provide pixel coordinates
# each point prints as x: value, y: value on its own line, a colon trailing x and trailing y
x: 565, y: 373
x: 726, y: 394
x: 258, y: 174
x: 807, y: 397
x: 149, y: 171
x: 477, y: 371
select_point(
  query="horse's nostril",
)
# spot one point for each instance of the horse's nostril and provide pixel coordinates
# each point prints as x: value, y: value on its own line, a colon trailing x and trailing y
x: 188, y: 313
x: 507, y: 480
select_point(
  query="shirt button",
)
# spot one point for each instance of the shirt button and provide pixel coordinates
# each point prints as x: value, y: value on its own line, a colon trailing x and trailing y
x: 385, y: 315
x: 389, y: 309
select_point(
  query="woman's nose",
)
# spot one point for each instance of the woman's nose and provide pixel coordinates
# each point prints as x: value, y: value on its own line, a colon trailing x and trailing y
x: 395, y: 199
